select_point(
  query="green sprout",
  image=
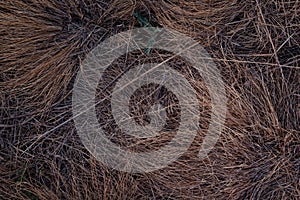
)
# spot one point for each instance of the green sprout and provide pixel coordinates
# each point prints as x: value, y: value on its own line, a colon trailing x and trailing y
x: 145, y: 23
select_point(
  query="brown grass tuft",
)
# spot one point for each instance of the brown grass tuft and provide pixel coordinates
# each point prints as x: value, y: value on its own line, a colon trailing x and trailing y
x: 255, y: 45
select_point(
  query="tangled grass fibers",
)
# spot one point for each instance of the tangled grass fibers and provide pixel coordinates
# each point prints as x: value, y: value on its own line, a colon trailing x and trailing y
x: 255, y: 45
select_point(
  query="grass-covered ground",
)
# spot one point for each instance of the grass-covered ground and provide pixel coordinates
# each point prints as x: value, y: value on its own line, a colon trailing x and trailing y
x: 254, y: 43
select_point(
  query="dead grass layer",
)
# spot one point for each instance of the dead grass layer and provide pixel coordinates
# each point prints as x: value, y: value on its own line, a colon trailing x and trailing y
x: 256, y: 46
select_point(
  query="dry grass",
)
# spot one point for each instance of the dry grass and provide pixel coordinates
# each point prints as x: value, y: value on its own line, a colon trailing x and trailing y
x: 256, y: 47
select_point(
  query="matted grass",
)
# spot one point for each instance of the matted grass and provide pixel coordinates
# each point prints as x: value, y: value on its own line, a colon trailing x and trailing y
x: 255, y: 45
